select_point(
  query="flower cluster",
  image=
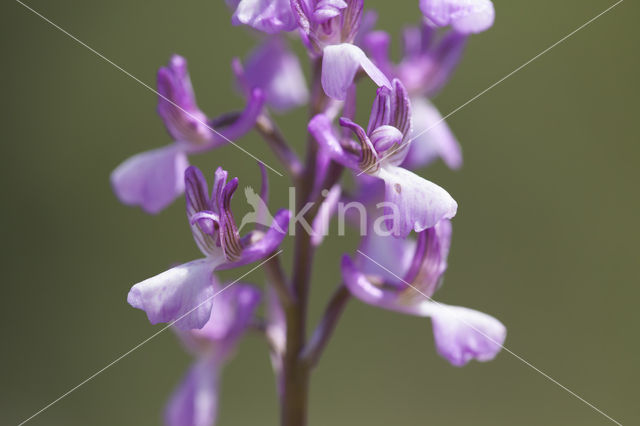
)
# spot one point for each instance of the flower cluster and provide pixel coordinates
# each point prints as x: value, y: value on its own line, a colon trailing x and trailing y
x: 403, y: 253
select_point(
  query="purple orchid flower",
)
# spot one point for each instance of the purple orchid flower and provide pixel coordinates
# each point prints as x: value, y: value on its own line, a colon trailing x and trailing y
x: 273, y: 68
x: 155, y: 178
x: 183, y: 294
x: 411, y: 272
x: 464, y: 16
x: 427, y: 65
x: 329, y: 28
x: 269, y: 16
x: 412, y: 203
x: 195, y: 401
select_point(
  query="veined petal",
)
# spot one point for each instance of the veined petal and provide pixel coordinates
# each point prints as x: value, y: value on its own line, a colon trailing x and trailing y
x: 417, y: 203
x: 463, y: 334
x: 152, y: 179
x: 182, y: 294
x: 204, y: 222
x: 340, y: 64
x: 259, y: 245
x: 433, y: 138
x: 384, y: 137
x: 269, y: 16
x: 275, y: 69
x: 465, y: 16
x: 195, y: 401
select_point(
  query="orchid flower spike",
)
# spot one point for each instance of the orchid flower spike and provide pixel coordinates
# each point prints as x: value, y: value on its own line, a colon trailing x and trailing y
x: 411, y: 202
x: 153, y: 179
x: 195, y: 401
x: 402, y: 275
x: 182, y: 295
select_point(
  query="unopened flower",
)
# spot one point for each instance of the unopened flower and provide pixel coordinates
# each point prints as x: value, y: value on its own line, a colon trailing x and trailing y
x: 412, y: 203
x: 411, y: 272
x: 183, y: 294
x: 464, y: 16
x: 195, y: 401
x: 153, y: 179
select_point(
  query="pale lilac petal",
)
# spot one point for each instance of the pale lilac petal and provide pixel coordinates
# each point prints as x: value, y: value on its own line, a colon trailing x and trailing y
x: 152, y: 179
x: 340, y: 64
x: 465, y: 16
x: 277, y: 335
x: 181, y: 294
x: 361, y: 287
x: 275, y: 69
x: 463, y: 334
x: 325, y: 212
x: 392, y: 256
x: 195, y: 401
x: 269, y: 16
x: 377, y: 44
x: 418, y: 203
x: 232, y: 312
x: 327, y: 9
x: 431, y: 138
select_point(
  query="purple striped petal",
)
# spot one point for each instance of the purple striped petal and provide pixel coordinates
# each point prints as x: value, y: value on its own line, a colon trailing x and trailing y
x: 259, y: 245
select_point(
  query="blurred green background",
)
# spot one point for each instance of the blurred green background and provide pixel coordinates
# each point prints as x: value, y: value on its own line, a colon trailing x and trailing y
x: 545, y: 239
